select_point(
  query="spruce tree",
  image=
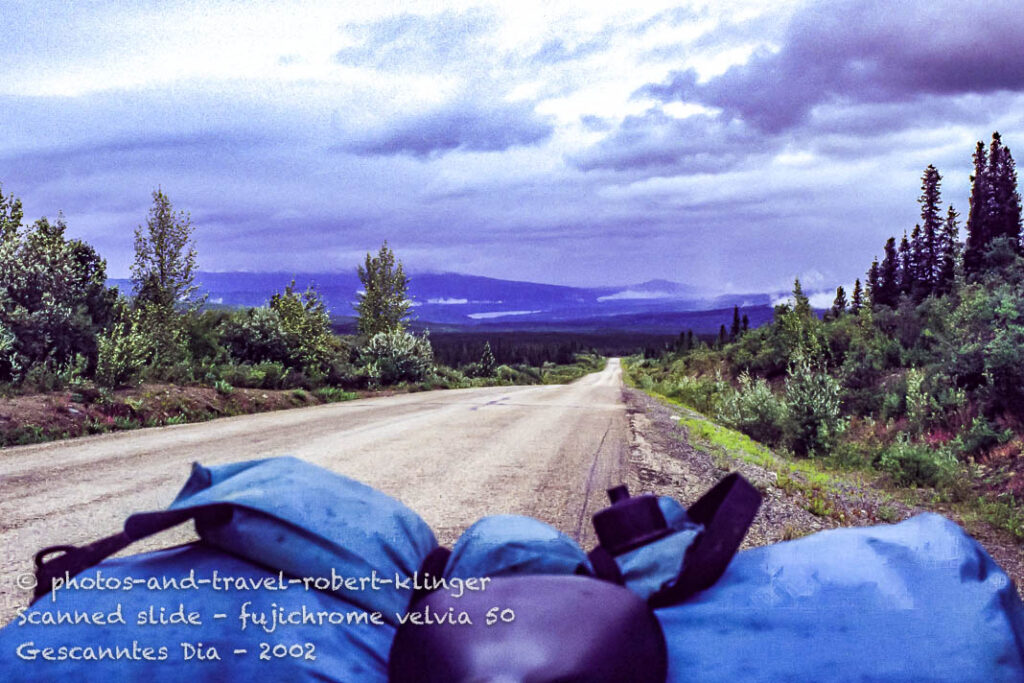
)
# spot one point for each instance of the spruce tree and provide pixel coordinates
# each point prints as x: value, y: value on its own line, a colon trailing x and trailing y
x: 721, y: 336
x: 927, y: 244
x: 888, y: 277
x: 839, y: 305
x: 801, y: 304
x: 949, y: 253
x: 746, y: 323
x: 857, y: 302
x: 874, y: 283
x: 979, y: 233
x: 907, y: 267
x: 1006, y: 208
x: 917, y: 257
x: 487, y: 362
x: 734, y: 331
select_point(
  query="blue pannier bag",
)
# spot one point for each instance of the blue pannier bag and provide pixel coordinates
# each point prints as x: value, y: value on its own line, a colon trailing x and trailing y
x: 303, y: 574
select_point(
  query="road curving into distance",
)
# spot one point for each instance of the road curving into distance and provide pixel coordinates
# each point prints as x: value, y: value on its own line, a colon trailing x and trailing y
x: 452, y: 456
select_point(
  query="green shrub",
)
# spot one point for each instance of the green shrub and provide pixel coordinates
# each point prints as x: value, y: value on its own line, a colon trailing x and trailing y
x: 445, y: 377
x: 10, y: 363
x: 754, y: 410
x: 918, y: 464
x: 255, y: 335
x: 813, y: 419
x: 979, y: 438
x: 920, y: 404
x: 224, y: 388
x: 398, y: 356
x: 123, y: 350
x: 268, y: 375
x: 700, y: 393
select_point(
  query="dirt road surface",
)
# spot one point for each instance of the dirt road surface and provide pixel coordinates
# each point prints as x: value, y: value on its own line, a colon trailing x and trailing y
x: 452, y: 456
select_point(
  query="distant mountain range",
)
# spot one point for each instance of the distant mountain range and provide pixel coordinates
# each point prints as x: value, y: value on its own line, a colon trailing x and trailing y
x: 451, y: 301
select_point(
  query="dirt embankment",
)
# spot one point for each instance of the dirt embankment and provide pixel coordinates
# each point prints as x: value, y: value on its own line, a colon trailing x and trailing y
x: 34, y: 418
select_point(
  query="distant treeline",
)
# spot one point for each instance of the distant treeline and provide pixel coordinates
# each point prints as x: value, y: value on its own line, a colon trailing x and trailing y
x: 457, y: 349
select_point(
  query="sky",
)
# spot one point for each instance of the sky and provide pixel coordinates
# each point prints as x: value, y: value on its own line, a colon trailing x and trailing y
x: 728, y: 145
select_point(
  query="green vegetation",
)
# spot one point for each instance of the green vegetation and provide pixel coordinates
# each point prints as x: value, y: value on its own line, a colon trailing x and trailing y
x: 917, y: 377
x: 383, y: 304
x: 62, y: 328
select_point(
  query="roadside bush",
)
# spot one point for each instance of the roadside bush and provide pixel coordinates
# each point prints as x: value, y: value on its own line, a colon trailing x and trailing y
x: 123, y: 350
x: 256, y: 376
x: 53, y: 295
x: 268, y: 375
x: 920, y: 404
x: 979, y: 438
x: 342, y: 373
x: 754, y: 410
x: 292, y: 330
x: 223, y: 388
x: 813, y: 419
x: 700, y: 393
x: 917, y: 464
x: 398, y: 356
x: 10, y: 365
x: 506, y: 374
x: 306, y: 329
x: 448, y: 378
x: 255, y: 335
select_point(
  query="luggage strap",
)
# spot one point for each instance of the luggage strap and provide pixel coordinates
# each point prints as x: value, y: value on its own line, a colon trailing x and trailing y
x: 73, y: 560
x: 726, y: 512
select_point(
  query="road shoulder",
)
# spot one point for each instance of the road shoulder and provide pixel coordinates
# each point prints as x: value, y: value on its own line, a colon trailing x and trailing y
x: 664, y: 458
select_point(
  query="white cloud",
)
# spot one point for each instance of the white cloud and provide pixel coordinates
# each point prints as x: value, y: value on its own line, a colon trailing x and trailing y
x: 497, y: 314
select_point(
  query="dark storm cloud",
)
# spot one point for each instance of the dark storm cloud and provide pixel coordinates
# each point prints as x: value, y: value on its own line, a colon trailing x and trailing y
x: 656, y: 142
x: 410, y: 41
x: 859, y: 51
x: 462, y: 125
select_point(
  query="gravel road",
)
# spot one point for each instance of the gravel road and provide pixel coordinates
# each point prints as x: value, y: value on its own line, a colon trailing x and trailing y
x: 452, y: 456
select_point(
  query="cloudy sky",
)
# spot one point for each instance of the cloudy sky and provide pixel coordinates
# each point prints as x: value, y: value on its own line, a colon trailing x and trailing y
x: 722, y: 144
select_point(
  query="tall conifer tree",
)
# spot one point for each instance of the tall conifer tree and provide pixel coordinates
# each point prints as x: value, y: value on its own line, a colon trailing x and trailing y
x: 907, y: 267
x: 978, y: 236
x: 857, y: 302
x: 927, y: 246
x: 949, y: 252
x: 839, y: 304
x: 888, y: 277
x: 1006, y: 209
x: 874, y: 282
x: 995, y: 203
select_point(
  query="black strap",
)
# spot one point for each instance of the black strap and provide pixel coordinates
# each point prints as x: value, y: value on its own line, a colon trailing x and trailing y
x: 433, y: 564
x: 605, y: 566
x: 73, y: 560
x: 726, y: 511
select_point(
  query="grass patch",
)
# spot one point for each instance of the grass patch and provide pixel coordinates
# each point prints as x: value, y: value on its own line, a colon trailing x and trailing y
x: 335, y: 394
